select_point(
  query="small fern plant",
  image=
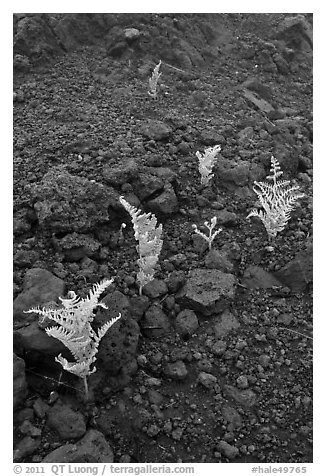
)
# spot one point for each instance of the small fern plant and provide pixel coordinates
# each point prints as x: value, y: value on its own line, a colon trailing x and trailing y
x: 149, y: 240
x: 211, y: 236
x: 277, y: 199
x: 74, y: 329
x: 206, y: 163
x: 153, y: 80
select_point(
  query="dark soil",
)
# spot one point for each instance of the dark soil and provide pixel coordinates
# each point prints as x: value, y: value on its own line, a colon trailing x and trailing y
x: 83, y: 110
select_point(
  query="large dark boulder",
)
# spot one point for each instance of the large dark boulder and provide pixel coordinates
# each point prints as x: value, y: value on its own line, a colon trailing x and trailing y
x: 35, y: 38
x: 68, y: 203
x: 40, y: 286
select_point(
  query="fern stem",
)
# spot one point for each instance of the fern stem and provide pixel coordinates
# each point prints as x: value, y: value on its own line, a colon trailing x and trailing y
x: 86, y: 387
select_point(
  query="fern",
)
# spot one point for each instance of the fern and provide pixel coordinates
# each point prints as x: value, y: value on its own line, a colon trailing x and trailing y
x: 277, y: 199
x: 206, y: 163
x: 74, y: 329
x: 153, y: 80
x: 148, y: 235
x: 211, y: 236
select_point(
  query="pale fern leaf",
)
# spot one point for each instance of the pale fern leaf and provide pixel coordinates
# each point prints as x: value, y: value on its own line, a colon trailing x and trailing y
x: 210, y: 226
x: 60, y: 333
x: 81, y: 369
x: 148, y: 235
x: 103, y: 330
x: 74, y: 329
x: 206, y: 163
x: 277, y: 200
x: 153, y: 80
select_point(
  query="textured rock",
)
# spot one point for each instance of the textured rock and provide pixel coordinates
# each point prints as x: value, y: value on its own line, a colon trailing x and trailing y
x: 165, y: 204
x: 296, y: 32
x: 92, y: 448
x: 163, y: 173
x: 216, y: 259
x: 228, y: 450
x: 62, y: 202
x: 211, y: 138
x: 155, y: 322
x: 186, y: 323
x: 40, y: 408
x: 155, y: 130
x: 298, y: 273
x: 66, y: 422
x: 231, y: 174
x: 225, y: 323
x: 28, y: 429
x: 26, y: 447
x: 260, y: 103
x: 207, y: 380
x: 119, y: 345
x: 175, y: 281
x: 19, y: 381
x: 23, y: 218
x: 116, y: 41
x: 242, y: 382
x: 255, y: 277
x: 232, y: 251
x: 226, y: 218
x: 131, y: 34
x: 40, y: 286
x: 155, y: 288
x: 204, y: 365
x: 232, y: 416
x: 33, y: 338
x: 76, y: 246
x: 119, y: 174
x: 146, y: 185
x: 25, y: 258
x: 34, y: 38
x: 21, y: 63
x: 138, y: 306
x: 73, y: 29
x: 263, y: 90
x: 176, y: 370
x: 245, y: 134
x: 207, y: 290
x: 246, y: 398
x: 281, y: 63
x: 218, y: 348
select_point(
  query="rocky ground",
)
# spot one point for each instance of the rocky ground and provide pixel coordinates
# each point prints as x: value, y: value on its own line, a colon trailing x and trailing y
x: 213, y: 363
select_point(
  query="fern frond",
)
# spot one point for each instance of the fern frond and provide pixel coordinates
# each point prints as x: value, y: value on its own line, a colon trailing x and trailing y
x: 153, y: 80
x: 96, y: 292
x: 275, y: 170
x: 147, y: 264
x: 60, y: 333
x: 150, y: 246
x: 81, y: 369
x: 148, y: 235
x: 74, y: 329
x: 206, y: 163
x: 277, y: 200
x: 103, y: 330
